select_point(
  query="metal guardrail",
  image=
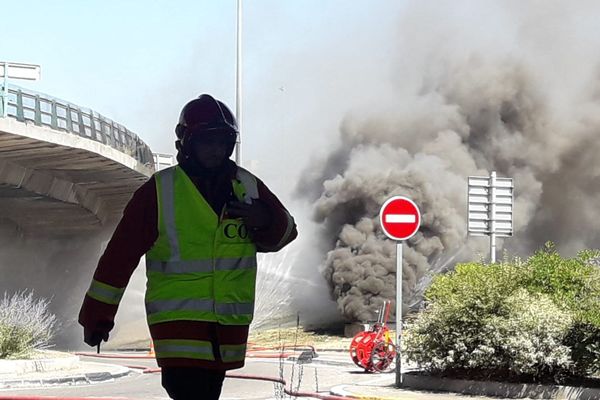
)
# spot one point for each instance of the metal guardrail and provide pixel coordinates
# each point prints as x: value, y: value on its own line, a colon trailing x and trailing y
x: 43, y: 110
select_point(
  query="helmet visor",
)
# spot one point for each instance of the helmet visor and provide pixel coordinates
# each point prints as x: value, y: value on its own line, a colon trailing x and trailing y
x: 203, y: 135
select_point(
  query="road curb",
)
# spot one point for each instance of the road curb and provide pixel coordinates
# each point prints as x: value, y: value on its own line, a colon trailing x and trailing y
x: 75, y: 379
x: 38, y: 365
x: 498, y: 389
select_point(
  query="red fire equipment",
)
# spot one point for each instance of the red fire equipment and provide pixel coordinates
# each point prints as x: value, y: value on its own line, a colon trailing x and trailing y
x: 374, y: 349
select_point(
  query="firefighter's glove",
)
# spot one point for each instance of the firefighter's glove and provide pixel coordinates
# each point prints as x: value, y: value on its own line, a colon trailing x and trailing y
x: 255, y: 215
x: 94, y: 337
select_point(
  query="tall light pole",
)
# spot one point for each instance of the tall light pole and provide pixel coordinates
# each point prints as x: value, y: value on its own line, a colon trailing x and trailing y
x: 30, y: 72
x: 238, y: 85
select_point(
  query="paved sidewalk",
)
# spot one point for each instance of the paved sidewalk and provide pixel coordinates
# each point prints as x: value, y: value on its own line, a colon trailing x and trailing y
x: 58, y: 371
x: 388, y: 391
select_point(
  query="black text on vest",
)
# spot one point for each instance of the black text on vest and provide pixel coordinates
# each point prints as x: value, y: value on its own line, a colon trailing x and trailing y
x: 233, y: 230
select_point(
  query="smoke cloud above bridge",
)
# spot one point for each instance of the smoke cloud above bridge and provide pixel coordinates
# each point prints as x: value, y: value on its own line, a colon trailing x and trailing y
x: 477, y: 86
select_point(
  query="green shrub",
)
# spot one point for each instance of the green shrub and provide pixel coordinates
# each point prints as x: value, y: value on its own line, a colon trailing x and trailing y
x: 584, y: 341
x: 25, y: 325
x: 536, y: 320
x: 573, y: 284
x: 520, y: 336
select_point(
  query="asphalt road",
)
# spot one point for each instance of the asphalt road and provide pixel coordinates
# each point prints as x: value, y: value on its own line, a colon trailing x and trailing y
x: 313, y: 377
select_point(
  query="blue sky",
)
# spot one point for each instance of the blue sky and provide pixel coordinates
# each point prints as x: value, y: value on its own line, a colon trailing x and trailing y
x: 306, y: 63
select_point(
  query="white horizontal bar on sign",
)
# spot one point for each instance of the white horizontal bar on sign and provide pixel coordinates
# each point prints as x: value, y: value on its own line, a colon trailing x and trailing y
x: 503, y: 212
x: 502, y: 217
x: 400, y: 218
x: 479, y: 218
x: 503, y: 192
x: 478, y: 233
x: 487, y: 233
x: 504, y: 228
x: 478, y: 225
x: 479, y: 208
x: 503, y: 200
x: 479, y: 181
x: 477, y: 230
x: 478, y: 191
x: 504, y: 208
x: 503, y: 182
x: 478, y: 214
x: 479, y: 199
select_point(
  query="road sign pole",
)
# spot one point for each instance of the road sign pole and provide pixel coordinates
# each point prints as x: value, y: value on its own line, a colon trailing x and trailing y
x: 238, y: 85
x: 492, y: 217
x: 398, y: 313
x: 400, y: 219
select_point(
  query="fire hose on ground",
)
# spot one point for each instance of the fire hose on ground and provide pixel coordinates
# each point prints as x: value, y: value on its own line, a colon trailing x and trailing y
x: 252, y: 352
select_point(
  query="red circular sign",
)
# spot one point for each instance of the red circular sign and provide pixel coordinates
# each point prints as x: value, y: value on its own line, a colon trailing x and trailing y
x: 399, y: 218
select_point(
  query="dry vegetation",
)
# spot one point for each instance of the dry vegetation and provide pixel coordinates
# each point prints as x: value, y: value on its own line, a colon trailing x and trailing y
x: 291, y: 335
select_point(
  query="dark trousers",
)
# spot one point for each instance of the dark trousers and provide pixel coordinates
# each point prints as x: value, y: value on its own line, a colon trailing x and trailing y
x: 192, y: 383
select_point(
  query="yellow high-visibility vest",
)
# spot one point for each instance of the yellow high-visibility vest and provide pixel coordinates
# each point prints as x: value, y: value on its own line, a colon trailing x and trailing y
x: 202, y: 267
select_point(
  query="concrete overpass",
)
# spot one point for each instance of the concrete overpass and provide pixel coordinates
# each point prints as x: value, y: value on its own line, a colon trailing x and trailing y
x: 65, y: 169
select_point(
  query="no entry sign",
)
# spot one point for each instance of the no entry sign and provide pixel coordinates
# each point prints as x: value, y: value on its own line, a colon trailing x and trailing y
x: 400, y: 218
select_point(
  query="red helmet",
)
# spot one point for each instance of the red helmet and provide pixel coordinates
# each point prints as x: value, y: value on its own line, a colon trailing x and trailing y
x: 205, y: 114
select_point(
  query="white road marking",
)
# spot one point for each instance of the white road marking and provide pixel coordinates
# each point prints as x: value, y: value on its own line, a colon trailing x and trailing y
x: 400, y: 218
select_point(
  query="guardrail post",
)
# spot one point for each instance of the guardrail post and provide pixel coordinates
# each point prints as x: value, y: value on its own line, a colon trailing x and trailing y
x: 93, y: 128
x: 54, y: 116
x: 20, y: 113
x: 68, y: 119
x: 38, y: 111
x: 80, y: 123
x: 4, y: 93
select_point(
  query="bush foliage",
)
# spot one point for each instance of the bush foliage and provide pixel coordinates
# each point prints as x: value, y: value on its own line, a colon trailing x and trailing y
x: 25, y: 325
x: 535, y: 320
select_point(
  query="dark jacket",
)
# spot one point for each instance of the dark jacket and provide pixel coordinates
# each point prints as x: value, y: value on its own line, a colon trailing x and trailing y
x: 135, y: 235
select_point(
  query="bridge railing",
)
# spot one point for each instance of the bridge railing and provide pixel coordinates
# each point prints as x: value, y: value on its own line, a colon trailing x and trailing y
x: 43, y: 110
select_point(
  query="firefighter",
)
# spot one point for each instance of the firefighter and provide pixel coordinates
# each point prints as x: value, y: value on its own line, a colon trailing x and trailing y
x: 200, y: 224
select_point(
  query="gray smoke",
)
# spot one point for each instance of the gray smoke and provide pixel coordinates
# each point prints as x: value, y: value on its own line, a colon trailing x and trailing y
x: 505, y: 86
x: 58, y: 269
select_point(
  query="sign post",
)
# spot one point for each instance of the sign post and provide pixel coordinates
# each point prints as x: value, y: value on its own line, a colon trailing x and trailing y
x: 400, y: 219
x: 17, y: 71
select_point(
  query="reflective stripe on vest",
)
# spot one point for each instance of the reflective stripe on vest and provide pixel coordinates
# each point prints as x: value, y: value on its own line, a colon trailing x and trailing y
x: 180, y: 348
x: 167, y: 198
x: 105, y: 293
x: 195, y: 266
x: 232, y: 352
x: 234, y: 308
x: 207, y: 305
x: 159, y: 306
x: 288, y: 229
